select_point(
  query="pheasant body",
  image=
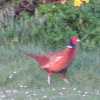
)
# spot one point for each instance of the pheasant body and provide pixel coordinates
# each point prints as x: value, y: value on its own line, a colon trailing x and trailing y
x: 60, y: 60
x: 57, y: 62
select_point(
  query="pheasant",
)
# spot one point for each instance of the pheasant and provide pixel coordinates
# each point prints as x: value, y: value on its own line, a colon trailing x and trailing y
x: 57, y: 62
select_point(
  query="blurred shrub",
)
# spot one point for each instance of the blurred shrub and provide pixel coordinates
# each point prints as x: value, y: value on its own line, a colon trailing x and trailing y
x: 54, y: 24
x: 84, y: 21
x: 8, y: 31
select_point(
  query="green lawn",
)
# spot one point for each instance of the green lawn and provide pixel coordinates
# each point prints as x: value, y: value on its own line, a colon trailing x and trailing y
x: 21, y: 78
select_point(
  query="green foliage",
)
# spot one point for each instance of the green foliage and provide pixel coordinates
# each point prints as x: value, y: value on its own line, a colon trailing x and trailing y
x: 85, y: 20
x: 54, y: 24
x: 8, y: 32
x: 25, y: 15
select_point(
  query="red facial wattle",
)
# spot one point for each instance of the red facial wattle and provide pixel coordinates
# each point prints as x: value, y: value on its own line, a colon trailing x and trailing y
x: 74, y: 40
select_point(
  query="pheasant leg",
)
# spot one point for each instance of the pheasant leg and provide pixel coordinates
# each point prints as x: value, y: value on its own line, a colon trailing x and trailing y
x: 49, y: 77
x: 63, y: 75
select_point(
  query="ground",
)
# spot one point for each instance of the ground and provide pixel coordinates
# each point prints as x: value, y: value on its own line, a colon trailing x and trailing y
x: 21, y: 78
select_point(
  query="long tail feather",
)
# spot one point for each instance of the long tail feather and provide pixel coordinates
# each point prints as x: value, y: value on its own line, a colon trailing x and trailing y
x: 28, y: 53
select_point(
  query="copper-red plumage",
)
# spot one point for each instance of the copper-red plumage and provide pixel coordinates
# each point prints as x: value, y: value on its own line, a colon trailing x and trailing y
x: 57, y: 62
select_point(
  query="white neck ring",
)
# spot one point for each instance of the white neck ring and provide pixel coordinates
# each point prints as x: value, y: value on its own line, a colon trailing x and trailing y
x: 69, y: 46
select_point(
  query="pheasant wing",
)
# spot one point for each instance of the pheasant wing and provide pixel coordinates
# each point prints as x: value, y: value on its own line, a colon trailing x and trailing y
x: 43, y: 60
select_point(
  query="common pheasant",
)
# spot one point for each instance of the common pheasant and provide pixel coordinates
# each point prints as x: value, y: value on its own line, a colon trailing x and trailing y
x: 57, y: 62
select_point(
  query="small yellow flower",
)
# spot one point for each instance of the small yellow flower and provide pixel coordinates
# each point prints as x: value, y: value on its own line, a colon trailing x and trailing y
x: 78, y: 3
x: 87, y: 1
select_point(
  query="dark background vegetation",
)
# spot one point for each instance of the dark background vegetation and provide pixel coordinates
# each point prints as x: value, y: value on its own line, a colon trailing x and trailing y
x: 52, y: 24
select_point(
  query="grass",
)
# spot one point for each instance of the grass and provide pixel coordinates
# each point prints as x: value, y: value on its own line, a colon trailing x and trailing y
x: 21, y: 78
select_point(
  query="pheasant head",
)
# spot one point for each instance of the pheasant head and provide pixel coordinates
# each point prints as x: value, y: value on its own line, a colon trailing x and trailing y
x: 73, y: 41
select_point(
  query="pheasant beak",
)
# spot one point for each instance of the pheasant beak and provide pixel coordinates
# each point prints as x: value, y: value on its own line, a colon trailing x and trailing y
x: 78, y: 40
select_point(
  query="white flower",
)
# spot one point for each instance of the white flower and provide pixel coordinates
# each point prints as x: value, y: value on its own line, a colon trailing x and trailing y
x: 8, y: 91
x: 63, y: 88
x: 53, y: 89
x: 61, y: 93
x: 10, y: 76
x: 98, y: 93
x: 79, y: 91
x: 15, y: 72
x: 15, y: 91
x: 84, y: 95
x: 53, y: 6
x: 26, y: 92
x: 44, y: 96
x: 21, y: 86
x: 34, y: 94
x: 25, y: 86
x: 1, y: 92
x: 74, y: 88
x: 3, y: 96
x: 86, y: 92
